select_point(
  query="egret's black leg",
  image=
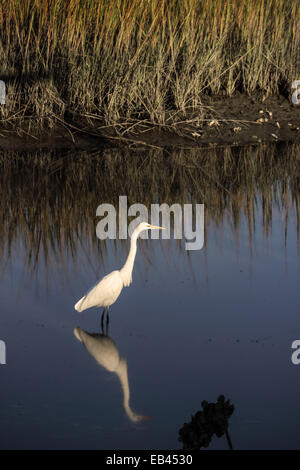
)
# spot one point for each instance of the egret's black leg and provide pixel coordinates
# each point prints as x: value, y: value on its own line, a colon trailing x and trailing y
x: 107, y: 320
x: 102, y: 320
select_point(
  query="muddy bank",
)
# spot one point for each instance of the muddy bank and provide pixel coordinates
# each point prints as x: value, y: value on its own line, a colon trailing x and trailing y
x: 237, y: 120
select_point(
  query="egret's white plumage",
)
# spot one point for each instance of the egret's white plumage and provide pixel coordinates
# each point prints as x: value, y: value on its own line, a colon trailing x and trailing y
x: 106, y: 292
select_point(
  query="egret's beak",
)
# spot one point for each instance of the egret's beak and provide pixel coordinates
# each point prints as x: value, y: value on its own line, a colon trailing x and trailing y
x: 156, y: 226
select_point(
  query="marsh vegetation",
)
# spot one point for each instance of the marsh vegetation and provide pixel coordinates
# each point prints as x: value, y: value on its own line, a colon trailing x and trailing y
x: 134, y: 63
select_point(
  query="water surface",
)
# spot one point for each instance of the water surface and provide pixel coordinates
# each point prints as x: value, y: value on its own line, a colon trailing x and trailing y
x: 193, y: 325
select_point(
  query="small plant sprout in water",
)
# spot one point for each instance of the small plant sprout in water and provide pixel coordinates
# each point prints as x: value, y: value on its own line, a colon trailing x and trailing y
x: 213, y: 420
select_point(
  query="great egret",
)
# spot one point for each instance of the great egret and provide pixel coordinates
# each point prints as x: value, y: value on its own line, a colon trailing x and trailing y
x: 106, y: 291
x: 106, y: 353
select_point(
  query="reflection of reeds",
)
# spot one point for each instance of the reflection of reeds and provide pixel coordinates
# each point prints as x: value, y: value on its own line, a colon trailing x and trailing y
x: 48, y: 201
x: 138, y: 59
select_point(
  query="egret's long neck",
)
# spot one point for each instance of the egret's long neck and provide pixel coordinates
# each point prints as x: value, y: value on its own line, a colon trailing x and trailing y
x: 126, y: 271
x: 122, y: 373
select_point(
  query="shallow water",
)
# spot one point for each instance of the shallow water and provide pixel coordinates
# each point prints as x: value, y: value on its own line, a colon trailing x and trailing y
x: 193, y: 325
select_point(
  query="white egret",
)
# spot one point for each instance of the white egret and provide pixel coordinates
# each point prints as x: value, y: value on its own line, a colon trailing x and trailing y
x: 106, y: 353
x: 106, y: 291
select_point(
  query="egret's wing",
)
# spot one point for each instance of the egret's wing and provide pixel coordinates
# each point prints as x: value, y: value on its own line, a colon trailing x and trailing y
x: 78, y: 306
x: 103, y: 293
x: 96, y: 284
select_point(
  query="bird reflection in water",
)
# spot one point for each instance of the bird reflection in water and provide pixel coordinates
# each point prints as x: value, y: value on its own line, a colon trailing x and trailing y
x: 106, y: 353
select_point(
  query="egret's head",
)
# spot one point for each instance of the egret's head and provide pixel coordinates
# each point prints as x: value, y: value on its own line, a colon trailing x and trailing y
x: 145, y: 226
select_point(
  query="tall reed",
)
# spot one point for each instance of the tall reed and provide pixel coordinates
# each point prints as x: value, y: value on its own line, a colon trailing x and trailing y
x: 116, y: 60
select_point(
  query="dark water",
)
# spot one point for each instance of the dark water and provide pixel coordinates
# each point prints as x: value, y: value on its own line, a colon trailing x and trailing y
x: 193, y: 325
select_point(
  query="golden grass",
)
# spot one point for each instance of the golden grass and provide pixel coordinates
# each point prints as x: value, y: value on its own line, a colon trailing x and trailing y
x: 140, y: 59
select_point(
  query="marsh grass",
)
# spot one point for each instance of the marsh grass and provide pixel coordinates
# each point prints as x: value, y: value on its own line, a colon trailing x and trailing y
x: 48, y: 200
x: 122, y: 62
